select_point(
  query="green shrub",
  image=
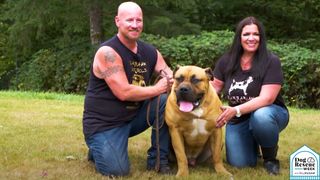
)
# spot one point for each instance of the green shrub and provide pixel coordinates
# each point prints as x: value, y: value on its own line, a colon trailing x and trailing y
x: 67, y: 70
x: 38, y: 73
x: 301, y: 69
x: 202, y: 50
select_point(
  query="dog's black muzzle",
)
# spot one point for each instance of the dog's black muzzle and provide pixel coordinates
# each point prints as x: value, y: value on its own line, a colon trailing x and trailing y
x: 186, y: 94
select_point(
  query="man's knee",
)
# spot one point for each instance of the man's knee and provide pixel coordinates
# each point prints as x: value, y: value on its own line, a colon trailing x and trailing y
x: 109, y: 160
x: 113, y: 168
x: 113, y: 172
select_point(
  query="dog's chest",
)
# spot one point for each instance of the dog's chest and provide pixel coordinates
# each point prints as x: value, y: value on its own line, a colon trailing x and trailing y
x: 199, y: 127
x: 197, y: 112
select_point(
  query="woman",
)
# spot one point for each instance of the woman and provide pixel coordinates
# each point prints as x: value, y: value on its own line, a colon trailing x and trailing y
x: 251, y: 78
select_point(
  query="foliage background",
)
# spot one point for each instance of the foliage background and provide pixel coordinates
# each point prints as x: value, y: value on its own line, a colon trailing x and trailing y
x: 46, y: 45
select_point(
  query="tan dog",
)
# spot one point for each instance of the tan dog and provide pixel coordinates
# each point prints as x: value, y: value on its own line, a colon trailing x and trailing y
x: 191, y: 112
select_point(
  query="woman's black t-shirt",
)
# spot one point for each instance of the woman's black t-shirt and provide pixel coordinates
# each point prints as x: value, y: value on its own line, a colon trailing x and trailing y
x: 243, y: 87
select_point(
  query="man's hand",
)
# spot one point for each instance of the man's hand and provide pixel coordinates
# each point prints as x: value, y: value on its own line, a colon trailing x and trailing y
x: 164, y: 84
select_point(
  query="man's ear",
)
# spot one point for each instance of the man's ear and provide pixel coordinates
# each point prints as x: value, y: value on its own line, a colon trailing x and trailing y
x: 209, y: 73
x: 116, y: 21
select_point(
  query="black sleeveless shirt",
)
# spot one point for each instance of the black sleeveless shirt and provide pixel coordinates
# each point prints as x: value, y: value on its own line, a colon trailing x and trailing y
x: 102, y: 109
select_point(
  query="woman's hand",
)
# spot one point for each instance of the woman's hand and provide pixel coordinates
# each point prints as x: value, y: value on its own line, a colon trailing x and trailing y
x: 227, y: 114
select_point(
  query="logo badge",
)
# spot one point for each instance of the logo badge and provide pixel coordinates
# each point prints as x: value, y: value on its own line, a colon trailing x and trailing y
x: 304, y: 164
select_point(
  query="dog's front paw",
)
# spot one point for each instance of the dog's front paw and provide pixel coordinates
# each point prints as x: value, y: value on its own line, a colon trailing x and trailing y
x: 221, y: 170
x: 184, y: 172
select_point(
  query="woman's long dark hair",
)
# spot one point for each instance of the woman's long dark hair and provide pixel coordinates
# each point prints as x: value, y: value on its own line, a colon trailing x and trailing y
x: 260, y: 59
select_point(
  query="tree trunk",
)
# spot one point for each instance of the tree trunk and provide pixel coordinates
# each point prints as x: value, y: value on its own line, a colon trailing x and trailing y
x: 95, y: 14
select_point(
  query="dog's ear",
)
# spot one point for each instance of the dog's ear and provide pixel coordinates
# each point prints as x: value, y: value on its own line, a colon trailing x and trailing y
x: 176, y: 69
x: 209, y: 73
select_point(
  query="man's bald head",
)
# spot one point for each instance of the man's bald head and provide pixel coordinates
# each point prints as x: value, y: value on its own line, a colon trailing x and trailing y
x: 128, y: 6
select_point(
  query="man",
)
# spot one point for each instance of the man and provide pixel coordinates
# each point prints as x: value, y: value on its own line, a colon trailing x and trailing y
x: 117, y: 97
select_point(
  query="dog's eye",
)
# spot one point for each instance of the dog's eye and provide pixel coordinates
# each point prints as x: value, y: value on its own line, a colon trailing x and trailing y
x: 194, y: 80
x: 179, y: 79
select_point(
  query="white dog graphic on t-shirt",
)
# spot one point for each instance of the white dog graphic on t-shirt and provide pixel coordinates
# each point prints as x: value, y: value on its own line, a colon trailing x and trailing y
x: 242, y: 85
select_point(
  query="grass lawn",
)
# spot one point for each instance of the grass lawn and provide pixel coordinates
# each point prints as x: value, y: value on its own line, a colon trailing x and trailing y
x: 41, y: 137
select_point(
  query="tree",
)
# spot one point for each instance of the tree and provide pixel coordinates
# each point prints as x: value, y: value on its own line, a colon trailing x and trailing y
x: 95, y: 15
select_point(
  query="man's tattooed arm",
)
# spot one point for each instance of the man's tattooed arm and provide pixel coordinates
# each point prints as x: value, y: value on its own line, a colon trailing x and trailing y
x: 109, y: 56
x: 109, y: 71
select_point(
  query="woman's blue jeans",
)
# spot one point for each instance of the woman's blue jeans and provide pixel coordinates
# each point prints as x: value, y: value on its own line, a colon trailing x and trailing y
x: 109, y: 149
x: 261, y: 129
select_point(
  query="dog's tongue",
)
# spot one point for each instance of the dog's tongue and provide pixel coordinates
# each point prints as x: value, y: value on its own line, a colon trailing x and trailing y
x: 185, y: 106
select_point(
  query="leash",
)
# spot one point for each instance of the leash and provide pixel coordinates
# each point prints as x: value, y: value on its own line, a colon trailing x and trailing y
x: 156, y: 126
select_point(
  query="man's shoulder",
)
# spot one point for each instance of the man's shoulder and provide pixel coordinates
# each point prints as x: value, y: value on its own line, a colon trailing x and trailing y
x: 145, y: 44
x: 109, y: 41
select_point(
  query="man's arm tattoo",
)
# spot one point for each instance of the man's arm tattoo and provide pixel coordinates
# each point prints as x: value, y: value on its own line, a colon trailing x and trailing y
x: 109, y: 56
x: 109, y: 71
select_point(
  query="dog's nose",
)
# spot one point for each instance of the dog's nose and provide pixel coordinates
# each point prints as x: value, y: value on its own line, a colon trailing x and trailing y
x: 184, y: 90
